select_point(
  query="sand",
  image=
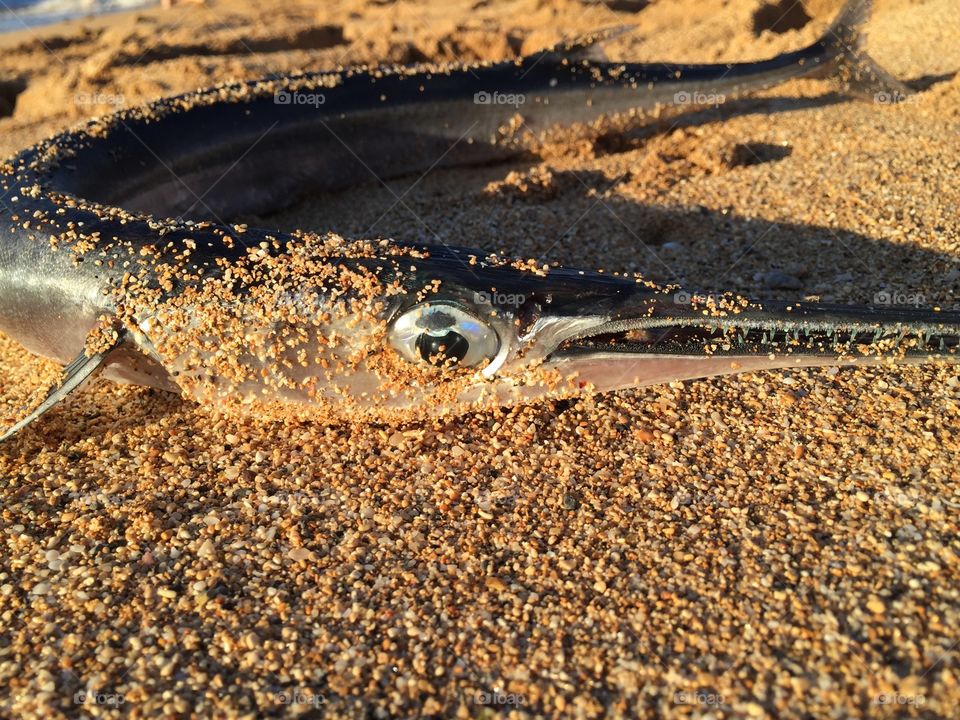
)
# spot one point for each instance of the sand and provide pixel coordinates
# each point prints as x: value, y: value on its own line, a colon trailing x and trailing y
x: 778, y: 544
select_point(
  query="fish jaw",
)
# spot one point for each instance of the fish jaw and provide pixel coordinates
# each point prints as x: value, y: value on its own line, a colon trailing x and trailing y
x: 615, y: 371
x: 644, y: 339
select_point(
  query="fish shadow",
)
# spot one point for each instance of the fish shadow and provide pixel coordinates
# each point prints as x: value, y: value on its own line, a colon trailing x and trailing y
x: 754, y: 105
x: 709, y: 250
x: 925, y: 82
x: 587, y: 219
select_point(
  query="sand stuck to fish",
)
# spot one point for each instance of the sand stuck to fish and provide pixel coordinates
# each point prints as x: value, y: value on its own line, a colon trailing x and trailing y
x: 779, y: 544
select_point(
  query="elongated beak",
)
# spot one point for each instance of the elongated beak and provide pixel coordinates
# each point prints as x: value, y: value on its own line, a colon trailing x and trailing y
x: 647, y: 339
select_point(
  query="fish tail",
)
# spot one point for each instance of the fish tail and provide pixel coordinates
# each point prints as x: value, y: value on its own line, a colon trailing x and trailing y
x: 849, y: 64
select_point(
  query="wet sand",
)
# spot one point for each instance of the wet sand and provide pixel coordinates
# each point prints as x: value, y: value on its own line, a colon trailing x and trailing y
x: 778, y: 544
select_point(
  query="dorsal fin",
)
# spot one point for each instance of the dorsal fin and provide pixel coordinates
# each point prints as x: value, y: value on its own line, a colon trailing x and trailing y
x: 590, y: 45
x: 83, y: 368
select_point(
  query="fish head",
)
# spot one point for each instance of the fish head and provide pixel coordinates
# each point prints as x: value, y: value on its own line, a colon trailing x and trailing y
x: 382, y: 332
x: 396, y: 333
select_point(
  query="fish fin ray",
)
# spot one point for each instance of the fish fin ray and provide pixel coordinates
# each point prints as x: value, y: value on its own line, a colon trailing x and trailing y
x: 590, y: 45
x: 83, y: 368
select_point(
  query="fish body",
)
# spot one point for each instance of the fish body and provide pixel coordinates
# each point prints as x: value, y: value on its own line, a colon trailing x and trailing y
x: 112, y: 261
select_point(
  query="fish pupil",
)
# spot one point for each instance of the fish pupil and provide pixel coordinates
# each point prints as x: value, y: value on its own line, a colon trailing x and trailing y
x: 441, y: 348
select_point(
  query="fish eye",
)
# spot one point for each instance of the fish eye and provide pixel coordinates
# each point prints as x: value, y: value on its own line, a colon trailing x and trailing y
x: 444, y: 333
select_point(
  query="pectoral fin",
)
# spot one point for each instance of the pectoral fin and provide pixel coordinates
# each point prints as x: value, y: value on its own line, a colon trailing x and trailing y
x: 83, y: 368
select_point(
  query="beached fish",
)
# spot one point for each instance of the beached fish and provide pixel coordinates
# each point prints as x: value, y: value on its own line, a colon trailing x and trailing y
x: 109, y: 261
